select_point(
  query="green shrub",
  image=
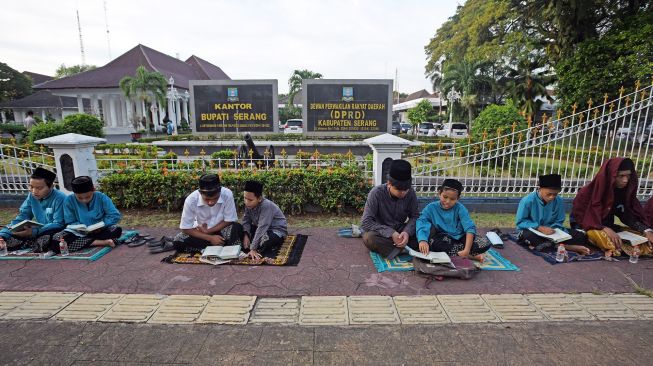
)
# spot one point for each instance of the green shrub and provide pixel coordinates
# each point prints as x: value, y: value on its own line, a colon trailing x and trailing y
x: 332, y: 189
x: 497, y: 116
x: 223, y: 154
x: 12, y: 128
x: 84, y: 124
x: 45, y: 130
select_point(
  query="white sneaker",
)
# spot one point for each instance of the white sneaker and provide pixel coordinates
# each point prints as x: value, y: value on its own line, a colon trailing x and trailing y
x: 355, y: 231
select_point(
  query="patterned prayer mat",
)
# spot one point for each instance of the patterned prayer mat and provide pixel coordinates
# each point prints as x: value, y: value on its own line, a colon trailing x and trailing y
x: 550, y: 257
x: 288, y: 255
x: 493, y: 261
x: 90, y: 254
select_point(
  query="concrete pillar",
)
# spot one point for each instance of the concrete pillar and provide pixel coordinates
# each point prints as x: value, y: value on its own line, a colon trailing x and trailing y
x: 162, y: 113
x: 43, y: 114
x: 80, y: 104
x: 129, y: 106
x: 95, y: 105
x: 172, y: 116
x: 186, y: 111
x: 73, y: 155
x: 112, y: 108
x: 3, y: 116
x: 383, y: 147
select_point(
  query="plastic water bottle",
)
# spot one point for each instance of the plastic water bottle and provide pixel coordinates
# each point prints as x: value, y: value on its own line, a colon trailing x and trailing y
x: 63, y: 247
x: 634, y: 256
x: 561, y: 253
x: 3, y: 247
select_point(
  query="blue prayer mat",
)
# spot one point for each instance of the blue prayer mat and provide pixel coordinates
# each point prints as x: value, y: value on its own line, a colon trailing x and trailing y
x: 493, y: 261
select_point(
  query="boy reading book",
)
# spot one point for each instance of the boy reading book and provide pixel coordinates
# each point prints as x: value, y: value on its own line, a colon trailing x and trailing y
x: 541, y: 213
x: 88, y: 207
x: 209, y: 218
x: 388, y: 221
x: 264, y: 224
x: 445, y: 226
x: 44, y: 205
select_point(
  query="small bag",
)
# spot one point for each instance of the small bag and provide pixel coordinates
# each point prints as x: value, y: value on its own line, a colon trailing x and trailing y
x: 462, y: 268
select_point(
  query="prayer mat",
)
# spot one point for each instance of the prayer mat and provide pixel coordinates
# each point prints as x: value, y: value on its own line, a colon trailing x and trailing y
x: 402, y: 262
x: 288, y: 254
x: 90, y: 254
x: 493, y: 261
x: 550, y: 257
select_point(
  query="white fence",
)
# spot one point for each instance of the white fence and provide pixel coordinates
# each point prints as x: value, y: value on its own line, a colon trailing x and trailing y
x: 573, y: 146
x: 17, y: 164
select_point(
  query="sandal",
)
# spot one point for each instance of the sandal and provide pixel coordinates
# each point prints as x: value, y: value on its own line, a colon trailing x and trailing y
x: 168, y: 246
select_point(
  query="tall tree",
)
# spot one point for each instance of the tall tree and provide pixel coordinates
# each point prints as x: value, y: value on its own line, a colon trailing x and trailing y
x: 467, y: 78
x: 295, y: 82
x: 419, y: 114
x: 144, y: 85
x: 13, y: 84
x: 63, y: 70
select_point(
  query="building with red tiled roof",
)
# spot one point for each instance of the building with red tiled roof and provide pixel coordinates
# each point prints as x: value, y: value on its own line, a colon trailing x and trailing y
x: 120, y: 115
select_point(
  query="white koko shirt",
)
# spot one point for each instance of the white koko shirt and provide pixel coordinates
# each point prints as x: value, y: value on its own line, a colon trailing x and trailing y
x: 197, y: 212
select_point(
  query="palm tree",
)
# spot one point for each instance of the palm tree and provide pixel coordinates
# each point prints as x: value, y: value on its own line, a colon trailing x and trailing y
x: 295, y: 82
x: 144, y: 85
x: 468, y: 78
x: 528, y: 80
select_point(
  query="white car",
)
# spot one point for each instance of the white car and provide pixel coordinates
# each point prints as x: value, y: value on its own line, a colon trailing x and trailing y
x: 294, y: 126
x: 454, y: 130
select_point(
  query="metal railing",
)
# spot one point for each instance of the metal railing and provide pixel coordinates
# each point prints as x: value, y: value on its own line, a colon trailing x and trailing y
x: 17, y: 164
x: 573, y: 146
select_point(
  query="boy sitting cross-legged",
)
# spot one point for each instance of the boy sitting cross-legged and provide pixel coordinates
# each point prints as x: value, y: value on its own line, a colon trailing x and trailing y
x: 209, y: 218
x: 445, y: 226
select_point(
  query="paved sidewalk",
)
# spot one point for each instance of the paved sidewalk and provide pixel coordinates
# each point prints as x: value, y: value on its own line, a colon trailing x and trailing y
x: 330, y: 265
x: 568, y: 343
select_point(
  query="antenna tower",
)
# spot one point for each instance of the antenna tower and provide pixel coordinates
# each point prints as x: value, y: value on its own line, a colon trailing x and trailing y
x: 81, y: 42
x: 106, y: 23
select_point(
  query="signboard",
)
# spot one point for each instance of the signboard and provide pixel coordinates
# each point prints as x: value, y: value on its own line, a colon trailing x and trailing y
x: 232, y: 106
x: 343, y: 107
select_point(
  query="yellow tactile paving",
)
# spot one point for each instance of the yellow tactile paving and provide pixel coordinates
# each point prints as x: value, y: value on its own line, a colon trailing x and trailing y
x: 559, y: 307
x: 275, y: 310
x: 372, y: 310
x: 513, y: 308
x: 467, y: 309
x: 642, y: 305
x: 420, y: 310
x: 323, y: 310
x: 9, y: 300
x: 43, y: 305
x: 228, y: 309
x: 604, y: 307
x: 180, y: 309
x: 89, y: 307
x: 133, y: 309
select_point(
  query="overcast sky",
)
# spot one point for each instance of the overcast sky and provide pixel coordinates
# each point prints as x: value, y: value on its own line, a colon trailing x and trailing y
x: 248, y: 39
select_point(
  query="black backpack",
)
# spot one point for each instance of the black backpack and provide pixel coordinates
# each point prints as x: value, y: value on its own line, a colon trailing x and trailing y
x: 462, y: 268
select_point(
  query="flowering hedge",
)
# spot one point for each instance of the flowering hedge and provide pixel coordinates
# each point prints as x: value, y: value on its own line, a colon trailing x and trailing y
x: 332, y: 189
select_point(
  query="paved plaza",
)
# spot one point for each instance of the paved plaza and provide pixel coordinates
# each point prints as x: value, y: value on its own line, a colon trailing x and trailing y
x: 129, y: 308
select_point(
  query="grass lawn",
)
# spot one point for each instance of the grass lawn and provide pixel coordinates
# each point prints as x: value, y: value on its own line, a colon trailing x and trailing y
x: 154, y: 218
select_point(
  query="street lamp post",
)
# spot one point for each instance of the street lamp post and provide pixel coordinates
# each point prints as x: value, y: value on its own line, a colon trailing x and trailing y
x: 172, y: 96
x: 453, y: 96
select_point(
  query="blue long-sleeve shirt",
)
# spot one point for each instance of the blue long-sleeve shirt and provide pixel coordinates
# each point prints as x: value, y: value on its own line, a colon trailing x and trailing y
x: 47, y: 211
x: 533, y: 212
x: 455, y: 222
x: 100, y: 208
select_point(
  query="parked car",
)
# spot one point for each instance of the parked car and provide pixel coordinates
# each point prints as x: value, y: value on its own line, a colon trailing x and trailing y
x: 424, y: 127
x: 623, y: 133
x: 396, y: 128
x: 453, y: 130
x: 405, y: 127
x: 294, y: 126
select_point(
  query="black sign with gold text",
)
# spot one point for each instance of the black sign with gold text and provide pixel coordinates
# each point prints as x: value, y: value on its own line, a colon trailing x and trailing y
x: 349, y: 108
x: 233, y: 108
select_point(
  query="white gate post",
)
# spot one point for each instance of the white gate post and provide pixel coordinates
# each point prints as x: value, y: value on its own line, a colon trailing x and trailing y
x: 383, y: 147
x: 76, y: 149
